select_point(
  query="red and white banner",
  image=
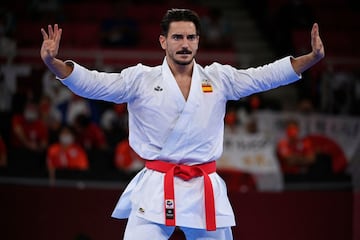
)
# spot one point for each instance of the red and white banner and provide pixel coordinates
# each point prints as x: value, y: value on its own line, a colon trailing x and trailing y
x: 255, y: 153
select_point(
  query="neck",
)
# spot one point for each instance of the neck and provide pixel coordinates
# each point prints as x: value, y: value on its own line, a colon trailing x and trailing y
x: 180, y: 70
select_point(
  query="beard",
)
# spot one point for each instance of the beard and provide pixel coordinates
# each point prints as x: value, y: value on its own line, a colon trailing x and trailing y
x: 183, y: 62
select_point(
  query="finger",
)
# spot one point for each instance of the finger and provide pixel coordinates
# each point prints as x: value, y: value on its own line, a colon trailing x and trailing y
x: 56, y: 29
x: 316, y: 30
x: 51, y: 32
x: 44, y: 34
x: 58, y: 37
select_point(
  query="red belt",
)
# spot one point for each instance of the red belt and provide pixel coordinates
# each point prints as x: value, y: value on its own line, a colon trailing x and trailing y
x: 186, y: 173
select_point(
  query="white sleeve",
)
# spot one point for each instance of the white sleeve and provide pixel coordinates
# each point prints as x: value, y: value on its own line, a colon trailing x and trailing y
x: 241, y: 83
x: 113, y: 87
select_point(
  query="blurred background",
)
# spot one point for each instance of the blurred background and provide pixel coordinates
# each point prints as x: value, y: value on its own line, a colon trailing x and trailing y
x: 291, y: 155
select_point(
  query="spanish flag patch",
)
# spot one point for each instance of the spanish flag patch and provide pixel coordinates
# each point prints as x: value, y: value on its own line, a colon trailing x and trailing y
x: 206, y: 86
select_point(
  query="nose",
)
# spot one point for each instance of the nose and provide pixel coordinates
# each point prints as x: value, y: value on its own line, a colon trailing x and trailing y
x: 185, y: 43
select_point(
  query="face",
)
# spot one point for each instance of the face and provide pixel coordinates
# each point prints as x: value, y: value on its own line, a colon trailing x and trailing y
x: 292, y: 131
x: 66, y: 137
x: 181, y: 43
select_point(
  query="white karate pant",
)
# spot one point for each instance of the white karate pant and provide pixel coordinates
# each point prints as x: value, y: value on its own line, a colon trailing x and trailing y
x: 138, y: 228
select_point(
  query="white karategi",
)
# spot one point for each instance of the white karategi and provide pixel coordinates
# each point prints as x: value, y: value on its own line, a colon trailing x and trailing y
x: 165, y: 126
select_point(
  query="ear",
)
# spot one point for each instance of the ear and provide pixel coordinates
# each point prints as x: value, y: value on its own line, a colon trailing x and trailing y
x: 162, y: 40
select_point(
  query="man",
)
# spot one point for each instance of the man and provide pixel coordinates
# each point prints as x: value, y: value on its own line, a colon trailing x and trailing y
x: 176, y: 113
x: 296, y: 154
x: 66, y: 154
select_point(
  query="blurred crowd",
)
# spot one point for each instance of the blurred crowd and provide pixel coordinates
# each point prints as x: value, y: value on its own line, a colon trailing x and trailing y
x: 46, y: 131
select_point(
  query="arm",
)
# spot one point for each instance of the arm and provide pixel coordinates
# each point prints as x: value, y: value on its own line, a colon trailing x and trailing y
x: 49, y: 51
x: 304, y: 62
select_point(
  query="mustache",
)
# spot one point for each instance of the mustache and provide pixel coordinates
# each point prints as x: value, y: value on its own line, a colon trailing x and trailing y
x: 184, y: 51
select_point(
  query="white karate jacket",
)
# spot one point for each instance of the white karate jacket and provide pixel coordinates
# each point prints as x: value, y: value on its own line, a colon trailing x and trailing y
x: 165, y: 126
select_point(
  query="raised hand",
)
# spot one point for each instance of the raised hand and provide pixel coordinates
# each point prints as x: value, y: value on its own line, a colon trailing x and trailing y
x: 316, y: 43
x: 51, y: 42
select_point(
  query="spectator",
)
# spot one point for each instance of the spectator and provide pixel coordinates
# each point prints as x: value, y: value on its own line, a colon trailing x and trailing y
x: 57, y: 92
x: 75, y: 106
x: 51, y: 116
x: 29, y: 140
x: 230, y: 120
x: 114, y: 123
x: 66, y: 154
x: 29, y: 131
x: 295, y: 154
x: 89, y: 134
x: 126, y: 159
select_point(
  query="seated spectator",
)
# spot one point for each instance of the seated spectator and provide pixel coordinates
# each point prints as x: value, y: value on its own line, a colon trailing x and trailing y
x: 230, y: 120
x: 89, y: 134
x: 76, y: 105
x: 295, y: 154
x: 53, y: 88
x: 66, y: 154
x: 29, y: 140
x: 126, y: 159
x: 51, y: 116
x: 29, y: 131
x: 114, y: 122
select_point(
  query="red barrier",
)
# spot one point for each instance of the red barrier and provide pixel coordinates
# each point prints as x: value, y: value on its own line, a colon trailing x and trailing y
x: 60, y: 213
x: 356, y: 221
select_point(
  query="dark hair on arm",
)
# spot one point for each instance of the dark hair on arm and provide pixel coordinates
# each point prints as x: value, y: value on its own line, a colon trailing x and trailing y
x: 177, y: 15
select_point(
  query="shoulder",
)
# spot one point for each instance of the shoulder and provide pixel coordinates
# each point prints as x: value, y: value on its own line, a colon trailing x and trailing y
x: 140, y: 69
x: 138, y: 75
x: 219, y: 69
x: 54, y: 148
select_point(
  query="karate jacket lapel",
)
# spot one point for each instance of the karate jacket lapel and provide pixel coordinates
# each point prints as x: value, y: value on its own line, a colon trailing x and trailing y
x: 177, y: 135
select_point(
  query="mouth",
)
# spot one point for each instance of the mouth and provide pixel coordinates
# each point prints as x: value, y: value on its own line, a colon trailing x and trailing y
x: 182, y: 52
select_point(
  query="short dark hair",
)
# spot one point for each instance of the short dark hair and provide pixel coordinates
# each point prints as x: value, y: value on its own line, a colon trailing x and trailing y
x: 177, y: 15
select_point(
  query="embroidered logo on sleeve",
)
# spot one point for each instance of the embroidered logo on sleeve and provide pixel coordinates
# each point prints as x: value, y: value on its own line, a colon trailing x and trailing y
x: 206, y: 86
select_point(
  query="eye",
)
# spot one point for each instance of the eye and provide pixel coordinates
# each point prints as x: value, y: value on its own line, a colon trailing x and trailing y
x: 192, y: 37
x: 177, y: 37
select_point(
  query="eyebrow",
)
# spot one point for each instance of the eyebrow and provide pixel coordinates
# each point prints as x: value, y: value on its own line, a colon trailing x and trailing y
x: 182, y: 36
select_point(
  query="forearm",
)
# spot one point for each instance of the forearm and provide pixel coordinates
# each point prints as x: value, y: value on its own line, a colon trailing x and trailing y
x: 59, y: 68
x: 304, y: 62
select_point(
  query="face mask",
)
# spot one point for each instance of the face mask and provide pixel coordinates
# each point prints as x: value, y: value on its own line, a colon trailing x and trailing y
x: 292, y: 131
x: 30, y: 115
x: 66, y: 139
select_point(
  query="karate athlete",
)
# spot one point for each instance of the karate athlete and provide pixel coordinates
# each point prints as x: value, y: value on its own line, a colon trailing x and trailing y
x: 176, y: 122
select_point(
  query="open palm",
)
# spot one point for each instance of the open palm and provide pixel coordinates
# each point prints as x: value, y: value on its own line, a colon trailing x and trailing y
x: 51, y: 42
x: 316, y: 43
